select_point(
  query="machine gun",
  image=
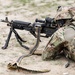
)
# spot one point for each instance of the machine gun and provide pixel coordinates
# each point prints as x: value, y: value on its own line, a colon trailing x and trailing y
x: 21, y: 26
x: 47, y: 26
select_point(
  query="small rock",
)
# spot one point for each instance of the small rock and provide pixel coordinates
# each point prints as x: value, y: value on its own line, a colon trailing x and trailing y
x: 66, y: 73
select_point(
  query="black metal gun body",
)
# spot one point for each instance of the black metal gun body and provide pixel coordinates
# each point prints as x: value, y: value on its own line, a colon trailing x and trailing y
x: 20, y: 25
x: 48, y: 27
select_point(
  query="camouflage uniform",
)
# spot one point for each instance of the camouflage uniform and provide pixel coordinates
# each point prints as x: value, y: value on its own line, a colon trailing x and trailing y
x: 63, y: 40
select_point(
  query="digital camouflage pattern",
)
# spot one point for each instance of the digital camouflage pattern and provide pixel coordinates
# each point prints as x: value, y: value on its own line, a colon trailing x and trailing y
x: 65, y: 12
x: 55, y: 40
x: 63, y: 40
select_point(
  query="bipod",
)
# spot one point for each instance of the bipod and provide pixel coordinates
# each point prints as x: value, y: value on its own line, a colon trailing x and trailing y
x: 19, y: 39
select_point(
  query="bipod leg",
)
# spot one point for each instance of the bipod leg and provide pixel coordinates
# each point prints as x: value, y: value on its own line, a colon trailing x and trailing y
x: 34, y: 48
x: 20, y: 42
x: 19, y: 36
x: 33, y: 33
x: 7, y: 41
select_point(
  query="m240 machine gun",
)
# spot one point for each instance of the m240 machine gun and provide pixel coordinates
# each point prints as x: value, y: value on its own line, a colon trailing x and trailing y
x: 47, y: 26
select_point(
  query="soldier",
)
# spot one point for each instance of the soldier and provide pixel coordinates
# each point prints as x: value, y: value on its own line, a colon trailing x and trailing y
x: 63, y: 40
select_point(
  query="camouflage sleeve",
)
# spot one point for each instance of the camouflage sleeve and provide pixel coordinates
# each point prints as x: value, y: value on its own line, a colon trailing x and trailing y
x: 50, y: 49
x: 69, y: 35
x: 53, y: 47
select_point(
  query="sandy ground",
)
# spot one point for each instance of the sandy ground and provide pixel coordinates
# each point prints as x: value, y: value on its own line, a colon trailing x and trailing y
x: 14, y: 50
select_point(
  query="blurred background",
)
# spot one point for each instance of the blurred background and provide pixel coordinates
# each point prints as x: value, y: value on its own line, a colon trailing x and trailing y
x: 29, y: 10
